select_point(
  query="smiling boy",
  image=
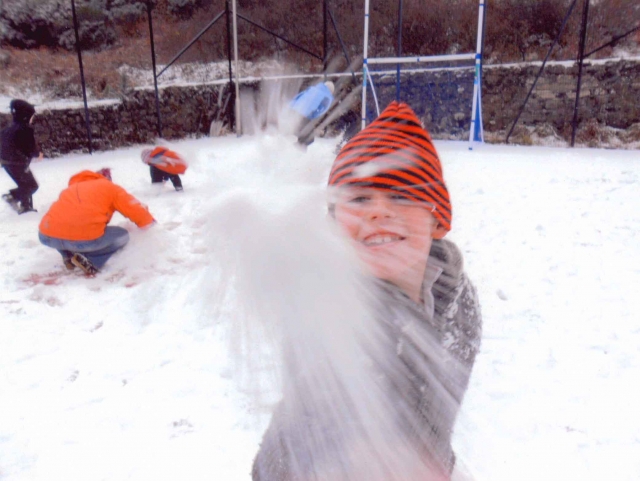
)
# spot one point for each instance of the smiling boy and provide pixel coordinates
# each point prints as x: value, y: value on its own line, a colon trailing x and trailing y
x: 391, y: 201
x: 388, y: 195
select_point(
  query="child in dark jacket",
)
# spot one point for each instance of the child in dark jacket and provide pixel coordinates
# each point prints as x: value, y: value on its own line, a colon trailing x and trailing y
x: 389, y: 197
x: 17, y: 148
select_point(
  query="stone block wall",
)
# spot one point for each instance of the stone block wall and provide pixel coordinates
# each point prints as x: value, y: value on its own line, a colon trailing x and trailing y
x: 610, y: 94
x: 442, y: 98
x: 185, y: 111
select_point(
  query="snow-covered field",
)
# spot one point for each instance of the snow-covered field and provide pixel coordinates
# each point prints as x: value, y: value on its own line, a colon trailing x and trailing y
x: 128, y: 376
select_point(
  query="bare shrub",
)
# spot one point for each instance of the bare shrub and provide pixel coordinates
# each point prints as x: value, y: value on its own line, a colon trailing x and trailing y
x: 611, y: 19
x: 593, y: 134
x: 521, y: 135
x: 183, y: 9
x: 517, y: 29
x: 632, y: 134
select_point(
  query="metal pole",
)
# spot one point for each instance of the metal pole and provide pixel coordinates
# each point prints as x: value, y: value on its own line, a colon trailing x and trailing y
x: 612, y: 42
x: 228, y: 12
x: 583, y: 41
x: 399, y: 50
x: 365, y: 52
x: 544, y: 62
x: 235, y: 53
x: 248, y: 20
x: 344, y: 49
x: 475, y: 129
x: 325, y: 39
x: 194, y: 40
x: 155, y: 77
x: 84, y: 85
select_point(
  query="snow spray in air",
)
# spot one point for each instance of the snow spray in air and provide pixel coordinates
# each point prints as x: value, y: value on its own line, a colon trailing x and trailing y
x: 364, y: 395
x: 268, y: 108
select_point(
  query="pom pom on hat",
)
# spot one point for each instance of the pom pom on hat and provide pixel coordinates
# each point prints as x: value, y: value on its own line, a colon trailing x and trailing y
x: 395, y: 153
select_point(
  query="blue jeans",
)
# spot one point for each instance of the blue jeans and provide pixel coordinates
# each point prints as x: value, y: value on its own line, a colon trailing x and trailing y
x: 97, y: 250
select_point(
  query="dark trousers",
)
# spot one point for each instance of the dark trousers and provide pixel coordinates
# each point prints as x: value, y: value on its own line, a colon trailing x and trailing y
x: 304, y: 130
x: 158, y: 175
x: 27, y: 184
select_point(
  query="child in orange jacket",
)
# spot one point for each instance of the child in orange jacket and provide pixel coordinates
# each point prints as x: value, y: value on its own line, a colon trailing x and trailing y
x: 76, y: 224
x: 164, y: 164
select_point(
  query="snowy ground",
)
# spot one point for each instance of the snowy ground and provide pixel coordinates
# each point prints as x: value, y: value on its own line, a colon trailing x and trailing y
x: 127, y: 376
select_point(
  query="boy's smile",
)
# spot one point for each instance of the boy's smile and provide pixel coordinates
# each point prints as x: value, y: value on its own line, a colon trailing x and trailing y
x: 381, y: 238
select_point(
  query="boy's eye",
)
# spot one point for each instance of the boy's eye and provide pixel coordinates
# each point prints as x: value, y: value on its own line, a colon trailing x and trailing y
x: 359, y: 199
x: 400, y: 199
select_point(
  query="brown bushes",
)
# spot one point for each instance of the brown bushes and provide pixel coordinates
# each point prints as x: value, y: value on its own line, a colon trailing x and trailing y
x: 515, y: 30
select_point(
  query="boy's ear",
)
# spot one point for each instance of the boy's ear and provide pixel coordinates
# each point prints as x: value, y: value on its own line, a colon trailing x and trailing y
x: 438, y: 231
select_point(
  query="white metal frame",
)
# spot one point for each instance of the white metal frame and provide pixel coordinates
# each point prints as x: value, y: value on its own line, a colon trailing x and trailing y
x: 235, y: 57
x: 475, y: 131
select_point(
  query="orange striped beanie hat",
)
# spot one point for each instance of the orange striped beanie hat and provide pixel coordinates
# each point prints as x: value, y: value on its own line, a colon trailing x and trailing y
x: 395, y: 153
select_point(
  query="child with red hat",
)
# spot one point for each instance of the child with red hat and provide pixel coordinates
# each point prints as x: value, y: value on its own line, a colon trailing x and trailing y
x: 389, y: 197
x: 164, y: 164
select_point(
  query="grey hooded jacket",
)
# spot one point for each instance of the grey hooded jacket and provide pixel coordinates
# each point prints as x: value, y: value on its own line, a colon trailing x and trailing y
x: 432, y: 348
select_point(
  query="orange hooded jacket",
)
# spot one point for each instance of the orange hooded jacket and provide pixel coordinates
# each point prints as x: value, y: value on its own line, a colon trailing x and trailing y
x: 84, y: 209
x: 164, y: 159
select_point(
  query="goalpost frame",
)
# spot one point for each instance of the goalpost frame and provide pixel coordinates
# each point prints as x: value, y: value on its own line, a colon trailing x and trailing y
x: 476, y: 133
x: 326, y: 16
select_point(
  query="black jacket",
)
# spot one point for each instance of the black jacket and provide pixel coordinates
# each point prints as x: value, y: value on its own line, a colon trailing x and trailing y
x: 18, y: 144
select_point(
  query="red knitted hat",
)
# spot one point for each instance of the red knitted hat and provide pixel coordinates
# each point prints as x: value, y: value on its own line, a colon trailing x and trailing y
x: 105, y: 172
x: 395, y: 153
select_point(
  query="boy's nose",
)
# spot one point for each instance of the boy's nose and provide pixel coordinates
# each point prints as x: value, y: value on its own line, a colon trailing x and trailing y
x: 380, y: 207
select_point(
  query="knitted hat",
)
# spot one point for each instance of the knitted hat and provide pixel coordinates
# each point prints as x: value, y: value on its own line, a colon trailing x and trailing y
x: 21, y: 110
x: 105, y: 172
x: 395, y: 153
x: 146, y: 155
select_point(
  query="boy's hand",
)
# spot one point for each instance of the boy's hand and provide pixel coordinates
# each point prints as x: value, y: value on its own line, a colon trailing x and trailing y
x: 40, y: 157
x: 148, y: 226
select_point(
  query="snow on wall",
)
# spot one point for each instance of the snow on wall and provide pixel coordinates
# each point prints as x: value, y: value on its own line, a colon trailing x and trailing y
x: 441, y: 97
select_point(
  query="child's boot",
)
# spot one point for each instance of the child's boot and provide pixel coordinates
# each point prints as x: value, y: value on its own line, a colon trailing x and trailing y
x: 66, y: 258
x: 85, y: 264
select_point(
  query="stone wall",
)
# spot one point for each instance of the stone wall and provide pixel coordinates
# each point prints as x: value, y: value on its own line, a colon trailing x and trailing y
x: 610, y: 95
x: 185, y: 111
x: 442, y: 98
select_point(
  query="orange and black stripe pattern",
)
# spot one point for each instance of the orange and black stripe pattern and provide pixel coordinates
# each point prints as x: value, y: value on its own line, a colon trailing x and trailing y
x: 395, y: 153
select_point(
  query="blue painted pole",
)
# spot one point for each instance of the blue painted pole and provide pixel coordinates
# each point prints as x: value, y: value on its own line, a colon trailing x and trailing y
x: 399, y: 51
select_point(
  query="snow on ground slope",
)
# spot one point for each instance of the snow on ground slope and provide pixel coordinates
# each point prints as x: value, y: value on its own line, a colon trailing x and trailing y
x: 127, y: 376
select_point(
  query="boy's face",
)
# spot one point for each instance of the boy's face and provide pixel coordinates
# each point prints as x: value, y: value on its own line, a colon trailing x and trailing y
x: 392, y: 235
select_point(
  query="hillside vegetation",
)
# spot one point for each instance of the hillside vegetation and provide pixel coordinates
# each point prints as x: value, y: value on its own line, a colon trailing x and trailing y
x: 37, y: 39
